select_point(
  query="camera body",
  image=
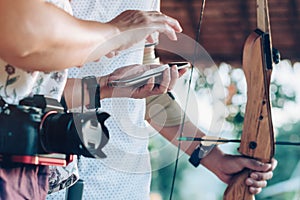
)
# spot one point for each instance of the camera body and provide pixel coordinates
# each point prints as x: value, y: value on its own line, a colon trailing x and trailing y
x: 39, y: 131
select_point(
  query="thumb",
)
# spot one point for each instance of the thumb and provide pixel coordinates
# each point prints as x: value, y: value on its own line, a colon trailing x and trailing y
x: 182, y: 71
x: 150, y: 39
x: 256, y: 165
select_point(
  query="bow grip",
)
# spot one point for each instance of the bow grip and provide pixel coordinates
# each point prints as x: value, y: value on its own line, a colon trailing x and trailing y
x: 237, y: 189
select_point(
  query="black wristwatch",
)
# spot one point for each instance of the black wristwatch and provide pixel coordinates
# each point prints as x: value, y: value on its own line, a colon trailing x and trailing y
x: 93, y: 89
x: 199, y: 153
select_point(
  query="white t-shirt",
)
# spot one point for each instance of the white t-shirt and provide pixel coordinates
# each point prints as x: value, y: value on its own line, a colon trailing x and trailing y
x: 126, y: 172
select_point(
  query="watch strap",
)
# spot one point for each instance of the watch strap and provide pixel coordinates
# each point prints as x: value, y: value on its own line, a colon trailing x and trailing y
x: 93, y: 89
x: 200, y: 152
x: 194, y: 159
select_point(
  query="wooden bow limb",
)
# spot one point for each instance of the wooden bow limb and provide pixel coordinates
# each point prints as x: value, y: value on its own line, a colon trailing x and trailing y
x: 257, y: 140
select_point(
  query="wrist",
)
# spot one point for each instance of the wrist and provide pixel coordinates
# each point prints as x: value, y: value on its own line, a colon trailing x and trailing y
x: 212, y: 159
x: 198, y: 154
x: 208, y: 156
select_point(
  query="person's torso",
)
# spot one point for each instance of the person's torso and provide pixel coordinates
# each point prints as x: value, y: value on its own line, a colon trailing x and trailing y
x: 126, y: 172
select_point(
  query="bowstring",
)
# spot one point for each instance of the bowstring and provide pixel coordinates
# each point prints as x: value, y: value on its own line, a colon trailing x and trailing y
x: 188, y: 94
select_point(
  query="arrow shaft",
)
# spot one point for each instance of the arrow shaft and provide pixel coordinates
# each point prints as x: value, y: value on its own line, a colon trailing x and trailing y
x: 287, y: 143
x: 222, y: 140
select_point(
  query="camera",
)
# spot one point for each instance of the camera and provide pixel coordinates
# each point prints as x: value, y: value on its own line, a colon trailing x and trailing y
x: 40, y: 131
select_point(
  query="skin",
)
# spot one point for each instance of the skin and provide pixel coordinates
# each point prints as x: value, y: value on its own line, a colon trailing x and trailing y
x: 47, y: 48
x: 44, y: 43
x: 224, y: 166
x: 150, y: 88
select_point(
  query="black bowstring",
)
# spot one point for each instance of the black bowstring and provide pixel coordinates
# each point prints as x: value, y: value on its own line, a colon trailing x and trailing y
x: 187, y: 97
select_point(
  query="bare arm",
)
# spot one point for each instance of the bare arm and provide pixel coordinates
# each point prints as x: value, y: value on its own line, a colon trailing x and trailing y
x: 222, y: 165
x: 36, y: 35
x: 72, y: 91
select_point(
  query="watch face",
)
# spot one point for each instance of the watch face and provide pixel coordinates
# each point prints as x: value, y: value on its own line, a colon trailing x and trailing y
x: 204, y: 150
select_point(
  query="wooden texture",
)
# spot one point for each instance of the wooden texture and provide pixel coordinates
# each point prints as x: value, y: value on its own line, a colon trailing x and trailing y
x: 257, y: 139
x: 257, y: 128
x: 237, y: 189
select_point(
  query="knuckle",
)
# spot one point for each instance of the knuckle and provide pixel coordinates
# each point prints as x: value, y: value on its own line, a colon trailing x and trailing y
x: 254, y: 190
x: 271, y: 175
x: 263, y: 184
x: 259, y: 176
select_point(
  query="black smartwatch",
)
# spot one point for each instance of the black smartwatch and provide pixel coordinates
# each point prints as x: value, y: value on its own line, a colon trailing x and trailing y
x: 200, y: 152
x: 93, y: 89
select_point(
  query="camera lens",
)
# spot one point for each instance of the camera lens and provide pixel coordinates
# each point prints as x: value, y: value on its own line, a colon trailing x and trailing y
x: 75, y: 133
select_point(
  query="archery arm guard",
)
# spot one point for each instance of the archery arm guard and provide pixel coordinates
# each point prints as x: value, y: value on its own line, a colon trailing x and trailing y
x: 164, y: 110
x: 161, y: 109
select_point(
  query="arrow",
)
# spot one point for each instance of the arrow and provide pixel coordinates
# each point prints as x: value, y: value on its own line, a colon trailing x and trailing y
x: 214, y: 140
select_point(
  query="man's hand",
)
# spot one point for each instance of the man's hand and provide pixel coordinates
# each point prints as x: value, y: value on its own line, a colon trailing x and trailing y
x: 135, y: 26
x: 149, y: 88
x: 226, y: 166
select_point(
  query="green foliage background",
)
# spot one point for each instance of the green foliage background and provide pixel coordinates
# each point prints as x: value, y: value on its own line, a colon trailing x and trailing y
x: 287, y: 156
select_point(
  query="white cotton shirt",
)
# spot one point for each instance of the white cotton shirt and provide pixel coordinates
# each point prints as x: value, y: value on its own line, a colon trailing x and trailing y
x: 126, y: 172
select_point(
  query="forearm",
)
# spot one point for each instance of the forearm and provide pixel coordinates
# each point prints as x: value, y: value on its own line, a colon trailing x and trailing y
x: 190, y: 130
x: 172, y: 134
x: 36, y: 35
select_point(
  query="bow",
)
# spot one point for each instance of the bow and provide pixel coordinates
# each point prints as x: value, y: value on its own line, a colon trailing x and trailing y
x: 197, y: 39
x: 257, y: 139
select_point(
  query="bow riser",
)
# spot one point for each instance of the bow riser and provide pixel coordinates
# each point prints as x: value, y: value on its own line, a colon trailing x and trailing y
x: 257, y: 139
